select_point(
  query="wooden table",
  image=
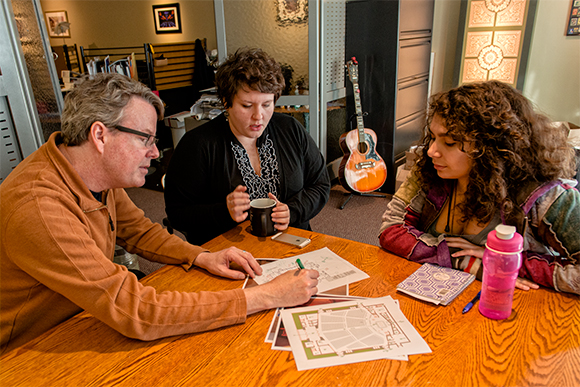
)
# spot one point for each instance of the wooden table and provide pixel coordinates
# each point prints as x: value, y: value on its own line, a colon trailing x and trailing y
x: 538, y: 345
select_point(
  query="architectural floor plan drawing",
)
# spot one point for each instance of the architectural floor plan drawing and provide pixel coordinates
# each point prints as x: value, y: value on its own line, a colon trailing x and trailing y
x: 334, y: 271
x: 350, y: 332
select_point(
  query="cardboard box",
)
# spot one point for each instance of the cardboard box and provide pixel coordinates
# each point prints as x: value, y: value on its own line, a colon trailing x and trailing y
x: 181, y: 123
x: 410, y: 157
x: 191, y: 123
x: 177, y: 121
x: 572, y: 130
x: 402, y: 175
x: 160, y: 62
x: 574, y: 135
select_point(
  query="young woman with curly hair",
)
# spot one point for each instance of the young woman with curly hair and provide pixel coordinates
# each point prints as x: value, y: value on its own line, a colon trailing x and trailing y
x: 488, y: 158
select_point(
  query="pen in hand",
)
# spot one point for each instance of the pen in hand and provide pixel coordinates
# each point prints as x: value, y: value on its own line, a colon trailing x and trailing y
x: 299, y: 262
x: 470, y: 305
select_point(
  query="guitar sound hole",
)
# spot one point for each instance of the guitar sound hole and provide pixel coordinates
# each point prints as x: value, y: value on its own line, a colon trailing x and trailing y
x: 363, y: 147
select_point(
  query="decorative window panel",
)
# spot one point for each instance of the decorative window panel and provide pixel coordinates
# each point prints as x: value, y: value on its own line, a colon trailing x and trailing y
x: 495, y: 40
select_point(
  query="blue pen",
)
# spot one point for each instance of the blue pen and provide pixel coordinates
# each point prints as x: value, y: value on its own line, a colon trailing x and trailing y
x: 470, y: 305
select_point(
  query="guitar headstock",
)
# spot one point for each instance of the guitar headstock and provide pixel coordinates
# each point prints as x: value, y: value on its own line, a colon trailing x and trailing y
x: 352, y: 66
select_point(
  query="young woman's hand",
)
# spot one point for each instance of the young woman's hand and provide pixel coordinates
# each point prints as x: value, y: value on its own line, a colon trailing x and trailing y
x: 466, y: 248
x: 526, y: 284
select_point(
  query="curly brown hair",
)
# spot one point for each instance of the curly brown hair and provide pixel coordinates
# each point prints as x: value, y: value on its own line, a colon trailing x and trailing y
x: 512, y: 145
x: 248, y: 67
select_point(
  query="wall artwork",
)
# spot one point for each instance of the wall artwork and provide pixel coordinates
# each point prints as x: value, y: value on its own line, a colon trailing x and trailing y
x: 291, y: 12
x: 57, y: 24
x: 167, y: 18
x: 573, y: 27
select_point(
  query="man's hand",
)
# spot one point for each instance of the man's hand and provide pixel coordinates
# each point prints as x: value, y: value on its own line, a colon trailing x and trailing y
x: 238, y: 202
x: 219, y: 263
x: 291, y: 288
x: 280, y: 214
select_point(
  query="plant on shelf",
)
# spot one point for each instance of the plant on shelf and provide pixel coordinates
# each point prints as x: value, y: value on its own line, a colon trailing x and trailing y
x: 302, y: 84
x: 287, y: 73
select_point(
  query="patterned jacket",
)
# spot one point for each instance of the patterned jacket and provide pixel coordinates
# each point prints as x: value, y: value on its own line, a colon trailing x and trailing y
x: 551, y: 231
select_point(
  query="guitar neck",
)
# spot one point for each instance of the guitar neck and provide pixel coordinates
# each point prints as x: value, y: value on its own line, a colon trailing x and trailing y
x: 359, y: 114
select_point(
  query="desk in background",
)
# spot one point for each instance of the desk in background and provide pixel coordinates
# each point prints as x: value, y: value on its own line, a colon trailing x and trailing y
x: 301, y: 113
x: 336, y: 125
x: 538, y: 345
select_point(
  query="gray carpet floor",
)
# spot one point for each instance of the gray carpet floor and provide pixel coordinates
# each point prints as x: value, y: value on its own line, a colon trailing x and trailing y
x: 359, y: 220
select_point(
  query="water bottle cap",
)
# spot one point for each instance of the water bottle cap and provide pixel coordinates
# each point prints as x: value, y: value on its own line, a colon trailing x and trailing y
x: 505, y: 232
x: 505, y: 239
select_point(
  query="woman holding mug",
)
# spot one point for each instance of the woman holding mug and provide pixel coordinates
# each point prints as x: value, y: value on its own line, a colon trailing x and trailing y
x: 486, y: 158
x: 248, y: 152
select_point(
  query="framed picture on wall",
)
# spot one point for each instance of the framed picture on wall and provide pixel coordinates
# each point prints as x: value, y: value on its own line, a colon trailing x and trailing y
x: 57, y: 24
x: 167, y: 18
x: 573, y: 27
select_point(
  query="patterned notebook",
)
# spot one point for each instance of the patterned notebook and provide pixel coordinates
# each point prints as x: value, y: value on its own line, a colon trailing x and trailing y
x: 436, y: 284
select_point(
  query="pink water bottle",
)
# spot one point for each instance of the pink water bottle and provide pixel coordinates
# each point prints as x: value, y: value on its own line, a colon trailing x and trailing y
x: 501, y: 263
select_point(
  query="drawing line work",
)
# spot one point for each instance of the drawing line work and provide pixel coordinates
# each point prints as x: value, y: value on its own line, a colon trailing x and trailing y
x: 350, y: 332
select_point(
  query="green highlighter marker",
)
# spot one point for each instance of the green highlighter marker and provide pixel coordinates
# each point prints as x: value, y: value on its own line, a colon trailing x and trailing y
x: 300, y: 265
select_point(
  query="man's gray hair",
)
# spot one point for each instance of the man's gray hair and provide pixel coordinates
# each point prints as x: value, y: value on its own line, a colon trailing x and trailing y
x: 101, y: 98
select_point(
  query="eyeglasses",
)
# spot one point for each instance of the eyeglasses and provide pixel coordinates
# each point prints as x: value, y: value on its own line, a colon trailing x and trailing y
x: 151, y: 139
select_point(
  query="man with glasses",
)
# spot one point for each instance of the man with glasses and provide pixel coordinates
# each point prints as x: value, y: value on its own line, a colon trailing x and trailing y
x: 63, y: 209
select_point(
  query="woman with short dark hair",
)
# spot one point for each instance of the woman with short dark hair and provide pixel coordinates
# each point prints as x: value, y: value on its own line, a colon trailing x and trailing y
x: 248, y: 152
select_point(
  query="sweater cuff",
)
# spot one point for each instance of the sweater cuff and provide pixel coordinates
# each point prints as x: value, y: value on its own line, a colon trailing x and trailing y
x: 188, y: 265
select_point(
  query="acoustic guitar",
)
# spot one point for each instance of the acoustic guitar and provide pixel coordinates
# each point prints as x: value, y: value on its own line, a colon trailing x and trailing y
x: 361, y: 169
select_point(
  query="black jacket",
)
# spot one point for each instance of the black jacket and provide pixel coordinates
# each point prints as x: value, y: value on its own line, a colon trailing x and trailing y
x: 203, y: 171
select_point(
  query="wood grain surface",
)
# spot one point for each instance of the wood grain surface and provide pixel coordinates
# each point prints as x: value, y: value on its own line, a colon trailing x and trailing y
x: 538, y: 345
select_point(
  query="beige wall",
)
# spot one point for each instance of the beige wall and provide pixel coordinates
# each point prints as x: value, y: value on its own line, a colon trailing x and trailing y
x: 552, y: 79
x: 444, y: 44
x: 553, y: 75
x: 253, y: 23
x: 117, y: 23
